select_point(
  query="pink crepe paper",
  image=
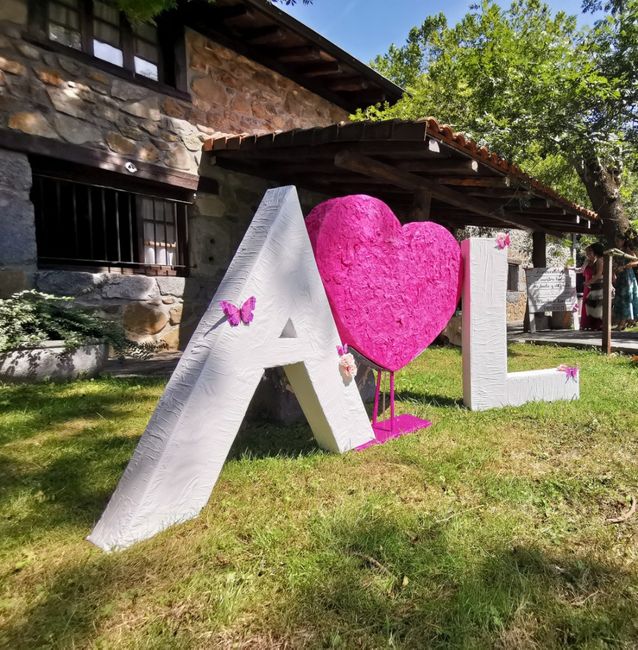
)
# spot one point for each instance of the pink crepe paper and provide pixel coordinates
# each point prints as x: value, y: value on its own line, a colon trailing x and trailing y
x: 392, y: 289
x: 503, y: 240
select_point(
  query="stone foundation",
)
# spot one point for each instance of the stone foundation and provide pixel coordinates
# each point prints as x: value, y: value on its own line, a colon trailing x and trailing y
x: 151, y: 309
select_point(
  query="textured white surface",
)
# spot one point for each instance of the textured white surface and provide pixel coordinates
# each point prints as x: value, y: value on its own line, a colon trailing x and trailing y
x: 486, y: 382
x: 183, y: 449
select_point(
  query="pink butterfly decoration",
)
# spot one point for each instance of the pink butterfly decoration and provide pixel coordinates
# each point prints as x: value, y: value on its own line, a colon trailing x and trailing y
x: 570, y: 371
x: 342, y: 349
x: 242, y: 314
x: 503, y: 240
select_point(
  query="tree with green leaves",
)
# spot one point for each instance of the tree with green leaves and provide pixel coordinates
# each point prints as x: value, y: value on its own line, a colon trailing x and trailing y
x: 560, y: 100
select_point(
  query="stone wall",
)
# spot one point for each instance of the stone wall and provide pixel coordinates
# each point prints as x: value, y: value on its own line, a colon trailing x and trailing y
x: 158, y: 309
x: 17, y: 224
x: 54, y: 96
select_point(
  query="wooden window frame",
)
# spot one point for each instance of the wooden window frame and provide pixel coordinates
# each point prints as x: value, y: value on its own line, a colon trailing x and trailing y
x: 94, y: 180
x: 172, y: 74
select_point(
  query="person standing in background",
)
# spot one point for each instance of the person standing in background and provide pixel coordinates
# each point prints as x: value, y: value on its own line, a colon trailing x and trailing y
x: 592, y: 270
x: 625, y: 308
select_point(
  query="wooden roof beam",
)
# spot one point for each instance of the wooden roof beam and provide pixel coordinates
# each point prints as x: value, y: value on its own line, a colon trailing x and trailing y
x: 447, y: 166
x: 231, y: 13
x: 352, y: 85
x: 475, y: 181
x: 321, y: 69
x: 301, y: 54
x: 263, y: 35
x: 370, y: 167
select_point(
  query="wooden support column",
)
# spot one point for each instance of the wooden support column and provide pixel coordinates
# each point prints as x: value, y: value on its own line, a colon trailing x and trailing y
x: 607, y: 292
x: 532, y: 322
x: 539, y: 250
x: 420, y: 210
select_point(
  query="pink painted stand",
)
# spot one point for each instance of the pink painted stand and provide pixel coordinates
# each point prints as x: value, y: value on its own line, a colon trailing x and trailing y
x: 394, y: 427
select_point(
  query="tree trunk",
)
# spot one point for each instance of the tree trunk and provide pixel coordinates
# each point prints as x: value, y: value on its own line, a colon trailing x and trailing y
x: 603, y: 187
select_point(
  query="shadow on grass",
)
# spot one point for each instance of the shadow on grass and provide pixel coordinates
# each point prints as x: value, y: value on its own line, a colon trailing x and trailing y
x: 354, y: 593
x: 67, y: 478
x: 39, y: 407
x: 265, y: 439
x: 427, y: 399
x: 75, y: 600
x: 72, y: 489
x: 381, y: 584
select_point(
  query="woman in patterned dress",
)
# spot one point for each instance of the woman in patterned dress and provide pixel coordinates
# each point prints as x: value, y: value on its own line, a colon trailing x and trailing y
x: 626, y: 284
x: 590, y: 317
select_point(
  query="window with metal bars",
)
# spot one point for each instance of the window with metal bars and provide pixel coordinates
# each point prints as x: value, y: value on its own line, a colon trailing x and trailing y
x: 96, y: 226
x: 145, y: 51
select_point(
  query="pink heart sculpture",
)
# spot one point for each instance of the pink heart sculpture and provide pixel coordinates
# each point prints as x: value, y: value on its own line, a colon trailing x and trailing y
x: 392, y: 289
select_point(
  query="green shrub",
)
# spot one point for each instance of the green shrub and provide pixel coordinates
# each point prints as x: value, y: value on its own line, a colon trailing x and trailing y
x: 29, y: 318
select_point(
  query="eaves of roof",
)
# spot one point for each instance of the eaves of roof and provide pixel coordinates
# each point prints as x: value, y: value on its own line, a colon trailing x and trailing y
x: 469, y: 184
x: 266, y: 34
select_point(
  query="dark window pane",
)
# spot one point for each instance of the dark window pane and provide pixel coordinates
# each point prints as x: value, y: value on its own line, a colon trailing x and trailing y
x: 145, y: 50
x: 106, y: 13
x: 106, y: 33
x: 92, y: 225
x: 64, y: 16
x: 146, y: 32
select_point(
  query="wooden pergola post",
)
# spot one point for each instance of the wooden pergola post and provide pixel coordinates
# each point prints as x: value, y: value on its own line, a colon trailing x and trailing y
x: 539, y: 260
x: 539, y: 249
x: 420, y: 210
x: 607, y: 291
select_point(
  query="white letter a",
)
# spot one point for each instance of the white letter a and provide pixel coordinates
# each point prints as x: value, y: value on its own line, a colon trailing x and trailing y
x: 179, y: 457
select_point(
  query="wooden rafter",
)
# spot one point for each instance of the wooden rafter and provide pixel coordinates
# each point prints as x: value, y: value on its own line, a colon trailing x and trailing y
x: 474, y: 181
x: 320, y: 69
x: 370, y: 167
x: 440, y: 166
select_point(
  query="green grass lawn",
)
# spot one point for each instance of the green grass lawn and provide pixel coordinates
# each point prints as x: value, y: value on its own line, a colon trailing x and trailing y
x: 486, y: 530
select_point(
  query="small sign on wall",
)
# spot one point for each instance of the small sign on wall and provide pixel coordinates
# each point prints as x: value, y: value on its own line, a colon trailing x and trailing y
x: 550, y: 289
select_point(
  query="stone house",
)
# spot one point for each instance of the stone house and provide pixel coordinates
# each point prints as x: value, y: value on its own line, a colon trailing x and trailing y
x: 132, y: 157
x: 104, y: 191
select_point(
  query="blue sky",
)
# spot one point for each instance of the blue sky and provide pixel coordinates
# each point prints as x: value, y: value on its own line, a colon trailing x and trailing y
x: 366, y: 28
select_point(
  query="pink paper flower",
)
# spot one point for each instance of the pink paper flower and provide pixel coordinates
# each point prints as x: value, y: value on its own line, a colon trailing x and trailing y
x: 503, y: 240
x: 347, y: 366
x: 570, y: 371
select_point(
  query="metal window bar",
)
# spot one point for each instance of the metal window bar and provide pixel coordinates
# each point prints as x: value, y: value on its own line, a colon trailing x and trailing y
x: 179, y: 258
x: 130, y: 226
x: 154, y: 233
x: 104, y: 234
x: 89, y: 198
x: 117, y: 225
x: 104, y: 195
x: 76, y: 246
